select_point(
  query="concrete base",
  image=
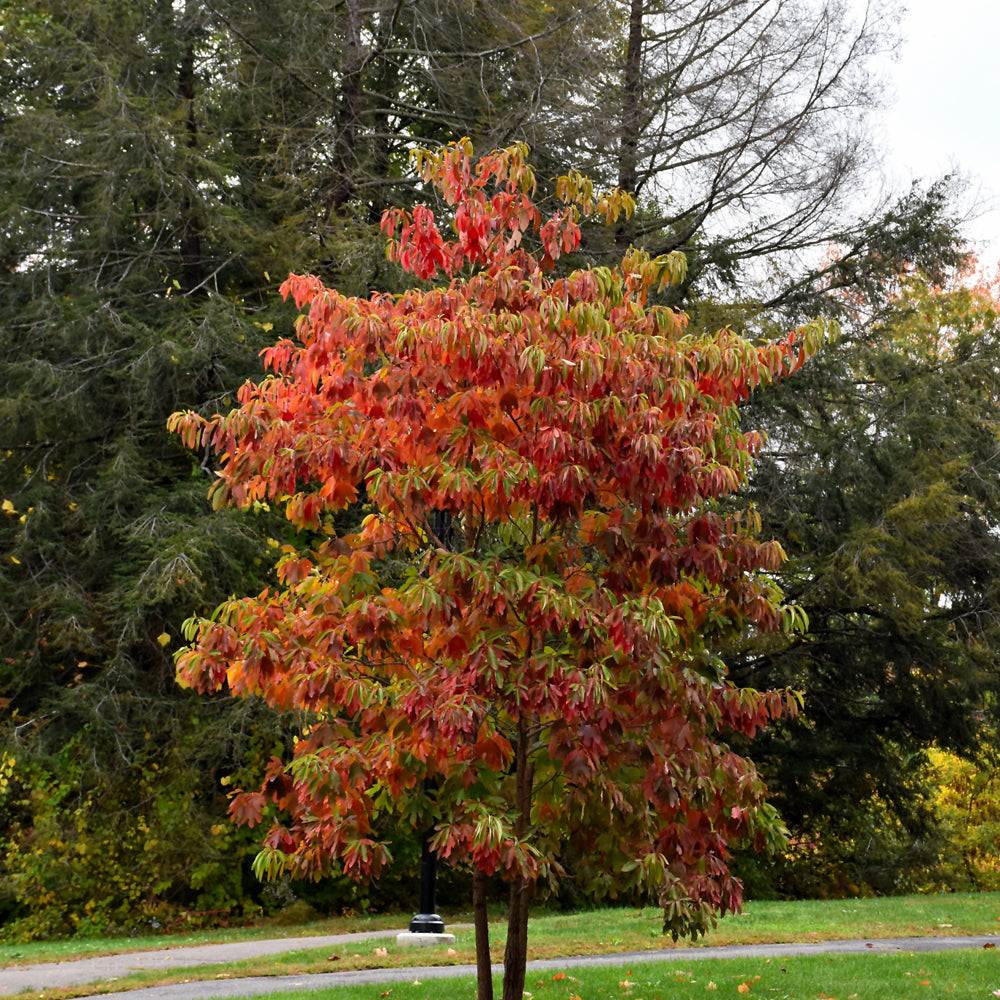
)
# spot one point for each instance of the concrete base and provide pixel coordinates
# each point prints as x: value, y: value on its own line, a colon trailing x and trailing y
x: 410, y: 939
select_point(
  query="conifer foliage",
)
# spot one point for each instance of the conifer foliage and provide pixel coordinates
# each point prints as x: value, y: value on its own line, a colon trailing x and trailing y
x: 882, y: 481
x: 515, y: 647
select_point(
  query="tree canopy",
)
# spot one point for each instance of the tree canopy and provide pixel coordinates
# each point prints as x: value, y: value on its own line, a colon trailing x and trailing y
x: 548, y: 669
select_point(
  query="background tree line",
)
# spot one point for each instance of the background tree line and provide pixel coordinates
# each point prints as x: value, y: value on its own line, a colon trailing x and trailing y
x: 167, y: 162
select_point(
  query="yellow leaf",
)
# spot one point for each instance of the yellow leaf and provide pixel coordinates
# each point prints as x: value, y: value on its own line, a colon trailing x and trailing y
x: 267, y: 327
x: 163, y: 638
x: 15, y: 560
x: 8, y: 508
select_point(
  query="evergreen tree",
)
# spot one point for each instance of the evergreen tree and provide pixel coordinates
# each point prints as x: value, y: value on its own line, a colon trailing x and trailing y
x: 881, y: 482
x: 122, y: 299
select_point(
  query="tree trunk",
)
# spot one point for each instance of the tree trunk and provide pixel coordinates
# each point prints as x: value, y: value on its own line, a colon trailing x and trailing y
x: 386, y: 82
x: 515, y: 957
x: 630, y: 126
x: 192, y: 267
x: 480, y: 919
x: 349, y: 115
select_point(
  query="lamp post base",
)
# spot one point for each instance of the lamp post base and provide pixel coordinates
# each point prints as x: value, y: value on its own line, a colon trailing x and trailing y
x: 426, y: 923
x: 423, y: 939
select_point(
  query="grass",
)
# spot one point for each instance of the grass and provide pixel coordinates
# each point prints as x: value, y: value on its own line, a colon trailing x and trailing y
x: 68, y: 949
x: 818, y: 977
x: 560, y: 935
x: 599, y: 931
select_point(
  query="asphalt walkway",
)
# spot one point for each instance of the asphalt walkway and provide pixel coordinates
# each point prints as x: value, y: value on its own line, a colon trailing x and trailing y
x: 107, y: 967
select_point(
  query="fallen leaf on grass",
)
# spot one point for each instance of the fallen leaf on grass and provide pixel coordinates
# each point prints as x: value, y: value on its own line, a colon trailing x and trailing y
x: 334, y: 958
x: 743, y: 988
x: 989, y: 944
x: 711, y: 986
x: 452, y: 952
x: 382, y: 952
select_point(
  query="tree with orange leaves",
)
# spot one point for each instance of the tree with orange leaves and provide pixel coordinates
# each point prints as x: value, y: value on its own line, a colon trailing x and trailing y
x: 546, y: 454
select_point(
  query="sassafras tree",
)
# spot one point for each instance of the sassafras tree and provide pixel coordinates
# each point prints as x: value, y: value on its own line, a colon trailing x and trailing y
x: 544, y: 457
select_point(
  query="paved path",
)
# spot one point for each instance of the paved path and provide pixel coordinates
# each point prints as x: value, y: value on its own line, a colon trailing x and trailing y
x: 64, y: 974
x: 103, y: 967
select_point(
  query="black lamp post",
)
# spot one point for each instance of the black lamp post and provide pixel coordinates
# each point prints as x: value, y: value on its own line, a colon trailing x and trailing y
x: 427, y: 921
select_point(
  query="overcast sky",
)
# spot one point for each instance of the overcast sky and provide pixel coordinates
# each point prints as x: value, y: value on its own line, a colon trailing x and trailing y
x: 945, y: 114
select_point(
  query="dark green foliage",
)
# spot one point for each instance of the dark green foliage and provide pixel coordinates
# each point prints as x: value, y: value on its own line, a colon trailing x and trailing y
x: 106, y: 544
x: 882, y: 481
x: 126, y: 844
x: 121, y: 301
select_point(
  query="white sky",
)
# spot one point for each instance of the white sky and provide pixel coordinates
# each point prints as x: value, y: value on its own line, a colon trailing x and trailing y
x: 945, y: 115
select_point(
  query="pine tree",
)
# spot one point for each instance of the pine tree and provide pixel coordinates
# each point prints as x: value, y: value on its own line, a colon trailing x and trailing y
x: 880, y: 482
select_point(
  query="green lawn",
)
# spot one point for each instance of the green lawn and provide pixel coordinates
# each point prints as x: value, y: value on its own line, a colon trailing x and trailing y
x: 849, y: 977
x: 865, y: 977
x: 609, y: 929
x: 614, y: 930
